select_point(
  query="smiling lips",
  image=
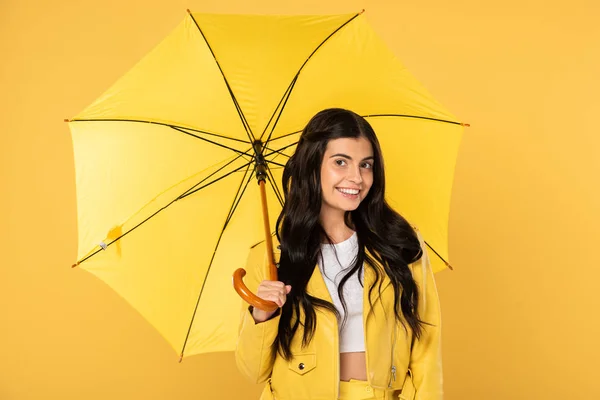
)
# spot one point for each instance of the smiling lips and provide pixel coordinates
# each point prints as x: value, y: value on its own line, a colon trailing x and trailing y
x: 348, y: 191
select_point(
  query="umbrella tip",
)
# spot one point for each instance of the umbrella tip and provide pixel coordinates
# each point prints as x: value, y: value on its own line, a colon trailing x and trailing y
x: 449, y: 266
x: 465, y: 124
x: 74, y: 265
x: 180, y: 357
x: 67, y: 120
x: 188, y: 11
x: 363, y: 10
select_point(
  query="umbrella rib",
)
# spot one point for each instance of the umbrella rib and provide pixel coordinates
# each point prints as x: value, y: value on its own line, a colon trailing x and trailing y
x: 279, y: 150
x: 235, y: 102
x: 230, y: 214
x: 441, y: 258
x: 287, y: 97
x: 276, y: 151
x: 157, y: 123
x: 239, y: 196
x: 276, y: 163
x: 413, y: 116
x: 288, y: 91
x: 215, y: 181
x: 215, y: 143
x: 284, y: 136
x: 372, y: 116
x: 381, y: 115
x: 207, y: 133
x: 284, y: 98
x: 274, y: 185
x: 181, y: 196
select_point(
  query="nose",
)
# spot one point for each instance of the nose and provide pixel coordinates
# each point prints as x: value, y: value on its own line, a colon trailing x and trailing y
x: 354, y: 175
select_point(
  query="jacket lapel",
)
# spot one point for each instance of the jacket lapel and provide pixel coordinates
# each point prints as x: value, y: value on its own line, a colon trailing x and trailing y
x: 316, y: 286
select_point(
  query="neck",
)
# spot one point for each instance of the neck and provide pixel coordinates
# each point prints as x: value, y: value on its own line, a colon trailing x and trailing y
x: 333, y: 223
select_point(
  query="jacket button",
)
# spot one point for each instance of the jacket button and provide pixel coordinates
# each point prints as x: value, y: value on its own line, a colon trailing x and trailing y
x: 301, y: 366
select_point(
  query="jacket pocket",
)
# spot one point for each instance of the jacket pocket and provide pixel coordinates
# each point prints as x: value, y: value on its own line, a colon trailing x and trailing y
x: 303, y: 363
x: 408, y: 388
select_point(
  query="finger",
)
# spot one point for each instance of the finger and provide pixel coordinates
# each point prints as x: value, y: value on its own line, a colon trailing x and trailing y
x: 271, y: 295
x: 276, y: 298
x: 273, y: 284
x: 265, y: 290
x: 281, y: 300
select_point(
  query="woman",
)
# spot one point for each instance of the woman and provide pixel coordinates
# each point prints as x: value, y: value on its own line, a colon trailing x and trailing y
x: 330, y: 339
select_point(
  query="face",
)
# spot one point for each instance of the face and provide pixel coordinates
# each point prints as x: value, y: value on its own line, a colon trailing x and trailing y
x: 346, y: 173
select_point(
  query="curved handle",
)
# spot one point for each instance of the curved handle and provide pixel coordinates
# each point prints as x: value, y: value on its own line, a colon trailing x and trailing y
x: 252, y: 299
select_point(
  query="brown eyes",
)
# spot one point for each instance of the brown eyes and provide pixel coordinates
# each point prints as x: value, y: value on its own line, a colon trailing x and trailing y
x: 340, y: 162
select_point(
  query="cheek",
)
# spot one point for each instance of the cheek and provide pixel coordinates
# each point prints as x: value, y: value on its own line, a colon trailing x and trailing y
x: 368, y: 182
x: 329, y: 178
x: 324, y: 182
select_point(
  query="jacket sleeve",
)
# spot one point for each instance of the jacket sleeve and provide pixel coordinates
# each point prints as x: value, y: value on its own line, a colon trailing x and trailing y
x: 426, y: 354
x: 253, y: 354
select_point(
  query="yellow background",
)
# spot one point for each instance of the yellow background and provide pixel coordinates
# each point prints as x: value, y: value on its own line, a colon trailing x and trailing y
x: 521, y: 308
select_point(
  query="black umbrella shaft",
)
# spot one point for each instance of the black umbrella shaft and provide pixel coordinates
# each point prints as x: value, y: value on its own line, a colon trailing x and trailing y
x: 261, y: 166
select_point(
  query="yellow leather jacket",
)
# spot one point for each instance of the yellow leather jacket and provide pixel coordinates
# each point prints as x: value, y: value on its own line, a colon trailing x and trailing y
x: 394, y: 370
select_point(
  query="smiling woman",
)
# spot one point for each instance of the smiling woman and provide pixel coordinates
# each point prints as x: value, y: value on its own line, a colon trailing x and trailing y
x: 348, y: 262
x: 346, y: 173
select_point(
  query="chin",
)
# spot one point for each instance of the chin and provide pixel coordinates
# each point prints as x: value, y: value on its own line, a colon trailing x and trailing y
x: 348, y: 208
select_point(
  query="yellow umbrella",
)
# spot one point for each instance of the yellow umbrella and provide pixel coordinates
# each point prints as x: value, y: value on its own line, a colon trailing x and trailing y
x: 165, y: 159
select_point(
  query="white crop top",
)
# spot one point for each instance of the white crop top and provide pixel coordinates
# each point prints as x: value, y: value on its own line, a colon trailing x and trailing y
x: 352, y: 336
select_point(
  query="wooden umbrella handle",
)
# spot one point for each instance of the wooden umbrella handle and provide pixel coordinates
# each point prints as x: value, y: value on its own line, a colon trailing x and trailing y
x: 249, y: 297
x: 238, y: 284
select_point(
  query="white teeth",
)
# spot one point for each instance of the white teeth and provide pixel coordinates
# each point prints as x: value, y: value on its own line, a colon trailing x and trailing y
x: 349, y: 191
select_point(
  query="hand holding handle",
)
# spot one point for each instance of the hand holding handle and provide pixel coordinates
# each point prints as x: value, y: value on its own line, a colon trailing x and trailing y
x: 252, y: 299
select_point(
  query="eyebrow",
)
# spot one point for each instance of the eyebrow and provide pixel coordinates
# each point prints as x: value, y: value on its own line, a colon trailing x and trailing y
x: 350, y: 158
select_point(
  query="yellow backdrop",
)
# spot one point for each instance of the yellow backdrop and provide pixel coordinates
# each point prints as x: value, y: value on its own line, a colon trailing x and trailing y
x: 520, y: 309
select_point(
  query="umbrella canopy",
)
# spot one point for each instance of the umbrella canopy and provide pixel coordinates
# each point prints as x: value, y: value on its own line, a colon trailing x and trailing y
x: 167, y: 200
